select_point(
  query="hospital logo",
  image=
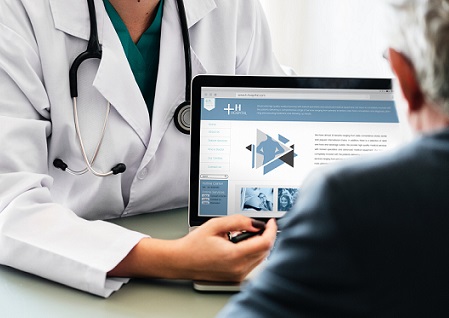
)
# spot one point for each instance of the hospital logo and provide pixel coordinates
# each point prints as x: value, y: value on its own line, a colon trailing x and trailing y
x: 270, y: 153
x: 235, y: 109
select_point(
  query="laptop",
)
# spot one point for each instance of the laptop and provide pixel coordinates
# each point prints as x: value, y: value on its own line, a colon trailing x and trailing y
x: 254, y: 139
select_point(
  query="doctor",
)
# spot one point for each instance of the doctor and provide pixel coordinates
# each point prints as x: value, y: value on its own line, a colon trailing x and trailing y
x: 49, y: 217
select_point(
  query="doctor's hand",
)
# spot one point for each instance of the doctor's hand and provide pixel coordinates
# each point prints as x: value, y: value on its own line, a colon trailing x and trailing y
x: 211, y: 256
x: 204, y: 254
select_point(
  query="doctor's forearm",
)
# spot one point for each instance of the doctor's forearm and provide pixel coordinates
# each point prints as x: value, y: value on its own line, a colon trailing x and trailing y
x: 178, y: 259
x: 171, y: 259
x: 149, y: 258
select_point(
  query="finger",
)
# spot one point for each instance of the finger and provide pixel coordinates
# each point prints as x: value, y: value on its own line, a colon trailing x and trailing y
x: 270, y: 232
x: 260, y: 243
x: 233, y: 223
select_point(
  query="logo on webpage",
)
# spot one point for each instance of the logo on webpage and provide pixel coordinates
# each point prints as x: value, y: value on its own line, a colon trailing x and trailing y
x: 209, y: 104
x: 270, y: 153
x: 235, y: 109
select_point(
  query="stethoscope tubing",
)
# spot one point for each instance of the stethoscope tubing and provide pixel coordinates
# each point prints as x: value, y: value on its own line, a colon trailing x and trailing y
x: 181, y: 116
x: 186, y: 43
x: 80, y: 140
x: 93, y: 51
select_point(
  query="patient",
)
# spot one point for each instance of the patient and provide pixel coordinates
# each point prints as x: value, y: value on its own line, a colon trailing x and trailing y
x: 369, y: 237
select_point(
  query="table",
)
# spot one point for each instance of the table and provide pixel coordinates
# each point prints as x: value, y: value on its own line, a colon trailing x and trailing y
x: 25, y: 295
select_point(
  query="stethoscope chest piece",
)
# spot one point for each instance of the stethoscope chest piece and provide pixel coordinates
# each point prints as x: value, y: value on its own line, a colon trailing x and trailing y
x: 182, y: 118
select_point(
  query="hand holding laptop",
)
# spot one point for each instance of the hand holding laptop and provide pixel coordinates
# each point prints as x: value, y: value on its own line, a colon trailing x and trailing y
x: 209, y: 255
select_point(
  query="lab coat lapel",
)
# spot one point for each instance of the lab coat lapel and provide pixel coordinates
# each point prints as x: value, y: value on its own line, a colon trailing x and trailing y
x: 170, y: 90
x: 116, y: 82
x: 72, y: 17
x: 114, y: 78
x: 196, y: 12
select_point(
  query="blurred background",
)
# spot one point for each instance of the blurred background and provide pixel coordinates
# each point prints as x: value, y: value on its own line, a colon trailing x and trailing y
x: 328, y: 37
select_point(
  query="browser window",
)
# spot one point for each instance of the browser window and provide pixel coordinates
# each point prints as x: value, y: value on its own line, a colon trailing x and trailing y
x: 259, y: 144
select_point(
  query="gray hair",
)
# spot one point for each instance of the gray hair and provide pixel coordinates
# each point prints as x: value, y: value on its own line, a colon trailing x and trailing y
x: 420, y: 30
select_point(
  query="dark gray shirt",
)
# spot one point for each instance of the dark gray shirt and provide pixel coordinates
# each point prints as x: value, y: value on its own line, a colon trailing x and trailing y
x: 368, y: 238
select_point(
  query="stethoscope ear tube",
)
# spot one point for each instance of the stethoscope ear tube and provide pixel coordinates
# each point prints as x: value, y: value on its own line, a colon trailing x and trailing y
x: 58, y: 163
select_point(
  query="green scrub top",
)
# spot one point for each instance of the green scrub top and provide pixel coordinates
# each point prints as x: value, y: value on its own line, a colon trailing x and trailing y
x: 143, y: 56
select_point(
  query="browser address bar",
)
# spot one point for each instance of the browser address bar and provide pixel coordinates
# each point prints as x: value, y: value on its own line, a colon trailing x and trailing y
x: 305, y: 96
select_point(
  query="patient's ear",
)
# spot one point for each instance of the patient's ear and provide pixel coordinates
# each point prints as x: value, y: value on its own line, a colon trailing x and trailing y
x: 406, y: 75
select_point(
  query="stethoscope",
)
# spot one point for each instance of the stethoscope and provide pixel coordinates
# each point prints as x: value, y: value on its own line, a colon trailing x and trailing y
x: 182, y: 113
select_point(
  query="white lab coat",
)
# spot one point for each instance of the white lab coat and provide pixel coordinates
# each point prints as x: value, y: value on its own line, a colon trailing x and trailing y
x: 47, y: 216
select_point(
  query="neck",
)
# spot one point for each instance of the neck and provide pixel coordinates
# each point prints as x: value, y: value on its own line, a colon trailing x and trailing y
x: 429, y: 118
x: 136, y: 14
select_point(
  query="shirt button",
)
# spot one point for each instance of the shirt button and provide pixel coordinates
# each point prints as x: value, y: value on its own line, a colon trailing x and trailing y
x: 142, y: 174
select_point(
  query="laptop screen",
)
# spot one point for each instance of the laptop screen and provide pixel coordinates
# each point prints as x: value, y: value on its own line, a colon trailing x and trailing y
x: 255, y: 139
